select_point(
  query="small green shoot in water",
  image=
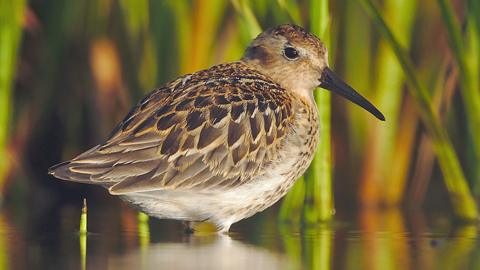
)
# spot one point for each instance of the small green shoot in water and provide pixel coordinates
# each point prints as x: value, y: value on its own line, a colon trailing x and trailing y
x: 143, y: 230
x: 83, y: 218
x: 83, y: 235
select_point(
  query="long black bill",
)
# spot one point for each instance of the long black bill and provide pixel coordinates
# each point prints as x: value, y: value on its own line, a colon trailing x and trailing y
x: 332, y: 82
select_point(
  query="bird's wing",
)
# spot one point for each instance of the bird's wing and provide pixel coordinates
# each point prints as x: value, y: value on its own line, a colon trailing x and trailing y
x: 196, y: 133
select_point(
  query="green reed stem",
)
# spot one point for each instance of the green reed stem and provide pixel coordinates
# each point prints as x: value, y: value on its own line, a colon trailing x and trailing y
x: 316, y: 198
x: 467, y: 62
x: 463, y: 204
x: 293, y: 202
x: 473, y: 63
x: 143, y: 230
x: 292, y: 9
x: 318, y: 247
x: 292, y: 246
x: 136, y: 16
x: 83, y: 218
x: 357, y: 55
x: 473, y: 11
x: 11, y: 17
x: 388, y: 89
x: 459, y: 254
x: 183, y: 27
x: 247, y: 18
x: 83, y: 235
x: 318, y: 184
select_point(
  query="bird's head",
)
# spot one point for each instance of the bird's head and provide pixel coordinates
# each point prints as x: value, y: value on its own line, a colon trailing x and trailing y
x: 298, y: 61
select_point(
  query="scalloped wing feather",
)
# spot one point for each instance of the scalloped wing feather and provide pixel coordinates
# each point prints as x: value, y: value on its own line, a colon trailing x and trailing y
x: 214, y: 129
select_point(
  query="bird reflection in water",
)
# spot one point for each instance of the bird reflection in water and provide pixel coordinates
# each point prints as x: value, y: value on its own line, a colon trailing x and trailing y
x: 202, y: 252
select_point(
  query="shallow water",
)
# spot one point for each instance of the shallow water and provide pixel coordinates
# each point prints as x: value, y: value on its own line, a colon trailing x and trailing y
x: 367, y: 240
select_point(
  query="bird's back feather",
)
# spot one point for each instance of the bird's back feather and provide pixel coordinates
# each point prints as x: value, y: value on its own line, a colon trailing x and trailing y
x: 214, y: 129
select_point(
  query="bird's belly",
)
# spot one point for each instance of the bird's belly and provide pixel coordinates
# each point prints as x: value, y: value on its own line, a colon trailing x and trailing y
x: 226, y: 206
x: 230, y: 205
x: 267, y: 189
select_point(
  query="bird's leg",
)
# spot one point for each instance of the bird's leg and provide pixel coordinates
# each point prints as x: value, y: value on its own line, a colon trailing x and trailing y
x: 188, y: 227
x: 224, y: 228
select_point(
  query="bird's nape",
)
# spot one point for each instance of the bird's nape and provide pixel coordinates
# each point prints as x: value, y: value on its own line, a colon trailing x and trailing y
x: 330, y: 81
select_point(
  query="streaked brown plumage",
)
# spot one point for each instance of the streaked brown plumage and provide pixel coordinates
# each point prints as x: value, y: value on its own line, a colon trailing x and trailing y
x: 220, y: 144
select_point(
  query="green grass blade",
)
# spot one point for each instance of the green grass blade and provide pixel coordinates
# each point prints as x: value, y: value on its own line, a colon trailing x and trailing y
x: 317, y: 196
x: 358, y: 59
x: 293, y: 202
x: 83, y: 218
x: 473, y: 11
x: 83, y: 235
x: 466, y: 62
x: 183, y: 27
x: 463, y: 204
x: 292, y: 9
x: 473, y: 64
x: 11, y: 17
x: 319, y: 176
x: 247, y: 18
x: 143, y: 230
x: 136, y: 16
x: 206, y: 15
x: 388, y: 96
x: 318, y: 247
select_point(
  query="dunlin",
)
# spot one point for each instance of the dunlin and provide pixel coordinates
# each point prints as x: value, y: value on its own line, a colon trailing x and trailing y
x: 221, y: 144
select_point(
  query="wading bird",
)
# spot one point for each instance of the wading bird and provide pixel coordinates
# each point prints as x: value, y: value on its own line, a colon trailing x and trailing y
x: 221, y: 144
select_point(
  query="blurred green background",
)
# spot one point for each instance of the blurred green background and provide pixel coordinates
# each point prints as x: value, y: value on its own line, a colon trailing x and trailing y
x: 70, y: 70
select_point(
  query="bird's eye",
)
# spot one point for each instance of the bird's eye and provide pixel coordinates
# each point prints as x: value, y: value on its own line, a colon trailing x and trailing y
x: 290, y: 53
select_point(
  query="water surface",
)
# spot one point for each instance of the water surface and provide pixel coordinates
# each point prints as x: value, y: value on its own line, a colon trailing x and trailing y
x: 116, y: 240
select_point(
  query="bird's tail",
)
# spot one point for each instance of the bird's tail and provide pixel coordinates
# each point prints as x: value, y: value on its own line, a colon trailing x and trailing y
x: 79, y: 169
x: 63, y: 171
